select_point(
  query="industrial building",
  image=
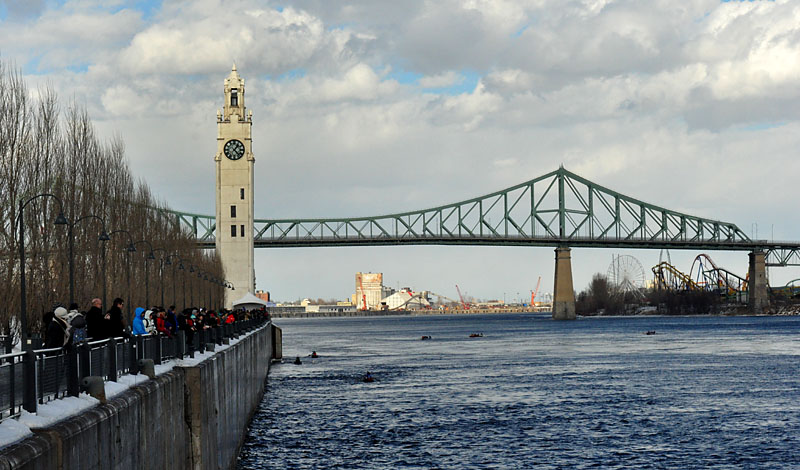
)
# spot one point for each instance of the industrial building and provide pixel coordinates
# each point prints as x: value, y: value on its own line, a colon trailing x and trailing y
x: 330, y: 308
x: 407, y: 299
x: 370, y: 291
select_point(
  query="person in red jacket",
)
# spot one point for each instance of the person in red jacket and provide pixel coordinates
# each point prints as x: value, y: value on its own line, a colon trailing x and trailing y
x: 161, y: 323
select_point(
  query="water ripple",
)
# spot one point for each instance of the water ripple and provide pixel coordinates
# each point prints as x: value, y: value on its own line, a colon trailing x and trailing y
x: 532, y: 393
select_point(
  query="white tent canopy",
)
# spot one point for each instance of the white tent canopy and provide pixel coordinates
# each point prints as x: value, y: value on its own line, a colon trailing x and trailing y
x: 249, y: 302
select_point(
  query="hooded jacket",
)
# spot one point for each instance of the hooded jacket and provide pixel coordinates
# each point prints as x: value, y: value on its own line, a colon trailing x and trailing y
x: 138, y: 323
x: 57, y: 330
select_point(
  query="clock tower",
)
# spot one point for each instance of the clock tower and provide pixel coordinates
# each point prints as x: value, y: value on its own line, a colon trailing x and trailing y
x: 234, y: 170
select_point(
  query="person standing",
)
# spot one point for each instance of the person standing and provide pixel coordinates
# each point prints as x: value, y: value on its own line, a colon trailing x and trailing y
x: 94, y: 321
x: 172, y: 320
x: 115, y: 320
x: 58, y: 330
x: 138, y: 323
x: 161, y: 323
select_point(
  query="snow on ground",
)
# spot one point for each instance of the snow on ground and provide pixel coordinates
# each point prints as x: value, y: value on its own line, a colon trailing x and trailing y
x: 13, y: 430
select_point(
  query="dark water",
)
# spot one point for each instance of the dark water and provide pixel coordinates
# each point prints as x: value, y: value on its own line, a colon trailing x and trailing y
x: 710, y: 392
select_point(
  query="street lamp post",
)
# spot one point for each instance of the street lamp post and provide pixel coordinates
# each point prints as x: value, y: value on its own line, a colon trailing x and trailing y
x: 161, y: 272
x: 206, y: 276
x: 130, y: 249
x: 60, y: 220
x: 146, y: 276
x: 71, y: 235
x: 191, y: 285
x: 183, y: 268
x: 174, y: 284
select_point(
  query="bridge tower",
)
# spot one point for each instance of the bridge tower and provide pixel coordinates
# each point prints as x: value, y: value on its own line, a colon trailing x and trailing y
x: 758, y: 295
x: 234, y: 173
x: 563, y: 293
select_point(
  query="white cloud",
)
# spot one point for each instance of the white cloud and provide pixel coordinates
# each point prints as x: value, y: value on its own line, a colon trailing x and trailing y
x: 441, y: 80
x: 681, y: 104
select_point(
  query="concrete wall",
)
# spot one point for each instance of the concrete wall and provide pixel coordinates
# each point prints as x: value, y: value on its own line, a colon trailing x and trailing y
x: 188, y: 418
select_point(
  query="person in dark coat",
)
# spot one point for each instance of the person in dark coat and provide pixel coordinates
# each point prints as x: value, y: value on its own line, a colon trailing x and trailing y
x: 94, y: 321
x: 58, y: 330
x: 172, y: 320
x: 115, y: 320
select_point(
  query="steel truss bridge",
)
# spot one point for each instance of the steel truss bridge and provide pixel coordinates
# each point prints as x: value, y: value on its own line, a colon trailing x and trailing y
x: 556, y: 209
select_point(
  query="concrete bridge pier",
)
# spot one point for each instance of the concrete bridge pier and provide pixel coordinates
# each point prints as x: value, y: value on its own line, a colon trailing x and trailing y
x: 563, y: 293
x: 757, y: 295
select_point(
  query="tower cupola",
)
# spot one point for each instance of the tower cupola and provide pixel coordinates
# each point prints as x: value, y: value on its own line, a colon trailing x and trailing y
x: 234, y: 97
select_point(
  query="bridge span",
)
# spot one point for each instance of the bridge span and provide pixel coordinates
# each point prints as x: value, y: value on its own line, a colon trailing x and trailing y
x: 559, y: 209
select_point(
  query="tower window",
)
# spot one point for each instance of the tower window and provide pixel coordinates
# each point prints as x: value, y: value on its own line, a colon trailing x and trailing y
x: 233, y: 231
x: 241, y: 193
x: 242, y: 228
x: 233, y: 211
x: 234, y: 97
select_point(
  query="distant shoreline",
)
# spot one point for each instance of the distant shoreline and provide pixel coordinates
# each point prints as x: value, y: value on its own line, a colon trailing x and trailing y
x: 388, y: 313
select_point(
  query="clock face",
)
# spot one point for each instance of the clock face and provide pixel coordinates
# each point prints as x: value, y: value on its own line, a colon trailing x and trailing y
x: 234, y: 149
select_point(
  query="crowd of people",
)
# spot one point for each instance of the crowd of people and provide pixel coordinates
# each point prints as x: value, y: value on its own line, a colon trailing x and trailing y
x: 65, y: 327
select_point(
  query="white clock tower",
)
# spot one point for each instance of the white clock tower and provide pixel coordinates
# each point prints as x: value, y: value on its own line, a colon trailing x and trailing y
x: 234, y: 162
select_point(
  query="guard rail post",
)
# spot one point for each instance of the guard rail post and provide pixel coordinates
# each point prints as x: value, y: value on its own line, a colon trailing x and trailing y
x: 29, y: 377
x: 133, y: 366
x: 84, y: 358
x: 157, y: 358
x: 196, y: 339
x: 111, y: 344
x: 73, y: 381
x: 181, y: 346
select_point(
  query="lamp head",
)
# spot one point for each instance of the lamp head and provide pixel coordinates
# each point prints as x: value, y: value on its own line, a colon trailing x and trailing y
x: 131, y: 248
x: 60, y: 219
x: 104, y: 237
x: 151, y: 256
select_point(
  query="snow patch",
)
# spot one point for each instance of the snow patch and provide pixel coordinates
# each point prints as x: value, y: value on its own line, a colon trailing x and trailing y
x: 13, y: 430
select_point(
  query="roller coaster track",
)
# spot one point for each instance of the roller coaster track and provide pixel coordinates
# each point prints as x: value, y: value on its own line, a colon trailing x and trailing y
x: 556, y: 209
x: 716, y: 277
x: 669, y: 277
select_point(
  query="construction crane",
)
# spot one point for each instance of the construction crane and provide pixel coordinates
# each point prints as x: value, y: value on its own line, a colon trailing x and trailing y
x: 463, y: 304
x: 363, y: 295
x: 533, y: 292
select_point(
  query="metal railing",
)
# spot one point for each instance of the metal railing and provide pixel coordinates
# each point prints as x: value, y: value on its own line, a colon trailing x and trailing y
x: 36, y: 377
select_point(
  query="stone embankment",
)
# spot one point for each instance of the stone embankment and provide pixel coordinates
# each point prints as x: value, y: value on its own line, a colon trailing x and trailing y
x: 188, y: 418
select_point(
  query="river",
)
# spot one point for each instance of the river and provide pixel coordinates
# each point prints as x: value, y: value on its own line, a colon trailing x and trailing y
x: 702, y: 392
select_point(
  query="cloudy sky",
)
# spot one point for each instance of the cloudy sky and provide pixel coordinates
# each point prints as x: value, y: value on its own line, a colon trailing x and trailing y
x: 367, y: 107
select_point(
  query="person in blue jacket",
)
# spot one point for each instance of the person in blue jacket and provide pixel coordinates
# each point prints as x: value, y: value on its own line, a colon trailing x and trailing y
x: 138, y: 323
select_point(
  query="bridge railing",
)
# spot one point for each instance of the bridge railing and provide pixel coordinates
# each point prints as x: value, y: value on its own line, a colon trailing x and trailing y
x: 36, y: 377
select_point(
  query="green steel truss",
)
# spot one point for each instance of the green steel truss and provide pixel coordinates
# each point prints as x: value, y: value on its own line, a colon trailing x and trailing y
x: 556, y: 209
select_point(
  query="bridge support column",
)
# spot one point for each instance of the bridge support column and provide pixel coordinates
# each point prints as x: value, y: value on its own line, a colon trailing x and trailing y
x: 757, y: 295
x: 563, y: 293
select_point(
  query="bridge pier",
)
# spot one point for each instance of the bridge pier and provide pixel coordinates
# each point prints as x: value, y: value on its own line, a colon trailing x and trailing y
x: 757, y: 295
x: 563, y: 292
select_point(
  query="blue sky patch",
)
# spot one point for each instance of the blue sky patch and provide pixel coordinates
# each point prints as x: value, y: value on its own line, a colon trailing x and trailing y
x: 469, y: 80
x: 519, y: 32
x: 293, y: 74
x: 762, y: 126
x: 404, y: 76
